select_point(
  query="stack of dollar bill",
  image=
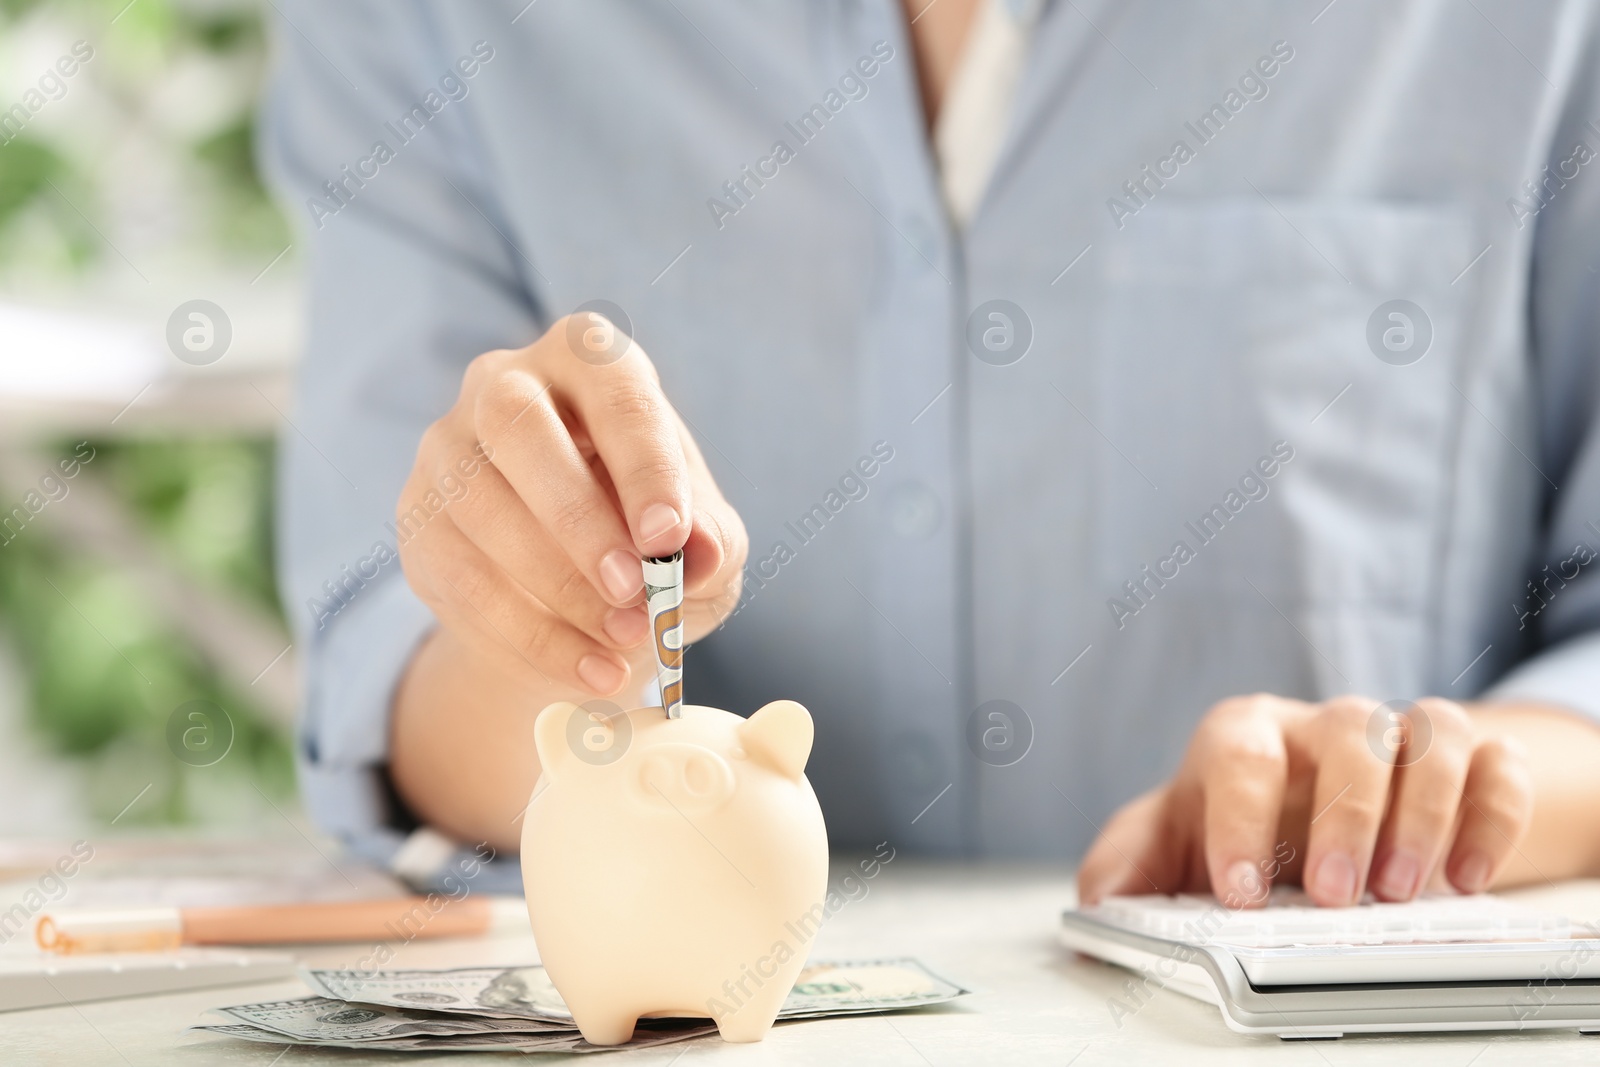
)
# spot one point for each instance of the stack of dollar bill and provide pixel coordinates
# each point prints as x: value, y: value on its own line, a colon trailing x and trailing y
x: 517, y: 1009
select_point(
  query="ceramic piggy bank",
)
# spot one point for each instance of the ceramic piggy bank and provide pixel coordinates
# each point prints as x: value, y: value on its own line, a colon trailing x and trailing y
x: 671, y: 865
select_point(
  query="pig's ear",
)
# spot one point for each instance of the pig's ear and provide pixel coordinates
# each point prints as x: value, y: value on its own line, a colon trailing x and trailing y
x: 550, y: 735
x: 779, y: 735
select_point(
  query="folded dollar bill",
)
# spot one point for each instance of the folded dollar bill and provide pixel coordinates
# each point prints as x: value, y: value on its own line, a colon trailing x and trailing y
x: 516, y: 1008
x: 526, y: 993
x: 565, y: 1041
x: 485, y: 992
x: 862, y: 986
x: 322, y: 1019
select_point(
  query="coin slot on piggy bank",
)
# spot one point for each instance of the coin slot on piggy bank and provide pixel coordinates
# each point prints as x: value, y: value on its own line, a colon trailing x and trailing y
x: 664, y: 857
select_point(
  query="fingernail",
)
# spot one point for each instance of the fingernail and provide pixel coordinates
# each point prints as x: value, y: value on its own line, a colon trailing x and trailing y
x: 1472, y: 873
x: 1399, y: 877
x: 627, y: 626
x: 657, y: 520
x: 1246, y: 886
x: 622, y: 574
x: 1335, y: 881
x: 600, y: 674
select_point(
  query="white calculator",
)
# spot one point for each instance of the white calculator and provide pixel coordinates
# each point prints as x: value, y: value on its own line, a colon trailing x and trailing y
x: 1300, y: 971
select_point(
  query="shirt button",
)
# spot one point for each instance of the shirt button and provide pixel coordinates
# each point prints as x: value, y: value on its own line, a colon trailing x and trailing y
x: 915, y: 511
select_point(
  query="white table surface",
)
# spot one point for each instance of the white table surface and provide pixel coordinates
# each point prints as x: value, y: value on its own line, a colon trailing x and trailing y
x: 991, y: 929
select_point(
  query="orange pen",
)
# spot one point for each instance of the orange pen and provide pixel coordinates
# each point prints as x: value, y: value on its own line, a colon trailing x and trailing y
x: 154, y: 929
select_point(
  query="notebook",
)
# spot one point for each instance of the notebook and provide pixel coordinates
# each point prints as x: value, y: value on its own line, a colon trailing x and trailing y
x: 137, y: 872
x: 41, y: 982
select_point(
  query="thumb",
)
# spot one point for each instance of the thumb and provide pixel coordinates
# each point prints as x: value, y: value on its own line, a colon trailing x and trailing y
x: 1138, y: 851
x: 715, y: 552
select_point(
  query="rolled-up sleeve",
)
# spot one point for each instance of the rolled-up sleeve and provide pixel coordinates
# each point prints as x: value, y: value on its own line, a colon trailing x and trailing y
x: 410, y: 276
x: 1563, y: 622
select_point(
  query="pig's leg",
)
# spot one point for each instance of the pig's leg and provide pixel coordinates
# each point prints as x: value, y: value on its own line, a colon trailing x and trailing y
x: 607, y: 1025
x: 754, y: 1017
x: 744, y: 1028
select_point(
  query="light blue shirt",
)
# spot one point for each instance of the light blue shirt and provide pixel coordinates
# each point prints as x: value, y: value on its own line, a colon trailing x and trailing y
x: 1198, y: 453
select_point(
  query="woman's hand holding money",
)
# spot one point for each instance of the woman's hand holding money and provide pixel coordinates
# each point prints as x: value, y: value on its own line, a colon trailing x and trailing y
x: 590, y: 470
x: 579, y: 468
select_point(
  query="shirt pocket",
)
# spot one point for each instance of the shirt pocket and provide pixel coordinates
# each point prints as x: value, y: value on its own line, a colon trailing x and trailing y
x: 1232, y: 328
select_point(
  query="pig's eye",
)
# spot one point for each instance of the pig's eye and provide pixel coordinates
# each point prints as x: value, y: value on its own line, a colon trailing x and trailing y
x: 699, y: 777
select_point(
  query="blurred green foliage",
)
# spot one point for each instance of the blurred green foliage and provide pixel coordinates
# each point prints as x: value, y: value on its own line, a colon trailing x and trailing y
x: 208, y: 501
x: 26, y: 171
x: 245, y: 216
x: 170, y: 80
x: 161, y: 115
x: 105, y: 669
x: 13, y: 8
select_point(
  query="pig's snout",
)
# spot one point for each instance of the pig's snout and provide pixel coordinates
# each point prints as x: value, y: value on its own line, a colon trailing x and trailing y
x: 685, y: 777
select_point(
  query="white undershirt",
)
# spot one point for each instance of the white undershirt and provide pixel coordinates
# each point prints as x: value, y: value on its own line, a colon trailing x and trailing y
x: 976, y: 112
